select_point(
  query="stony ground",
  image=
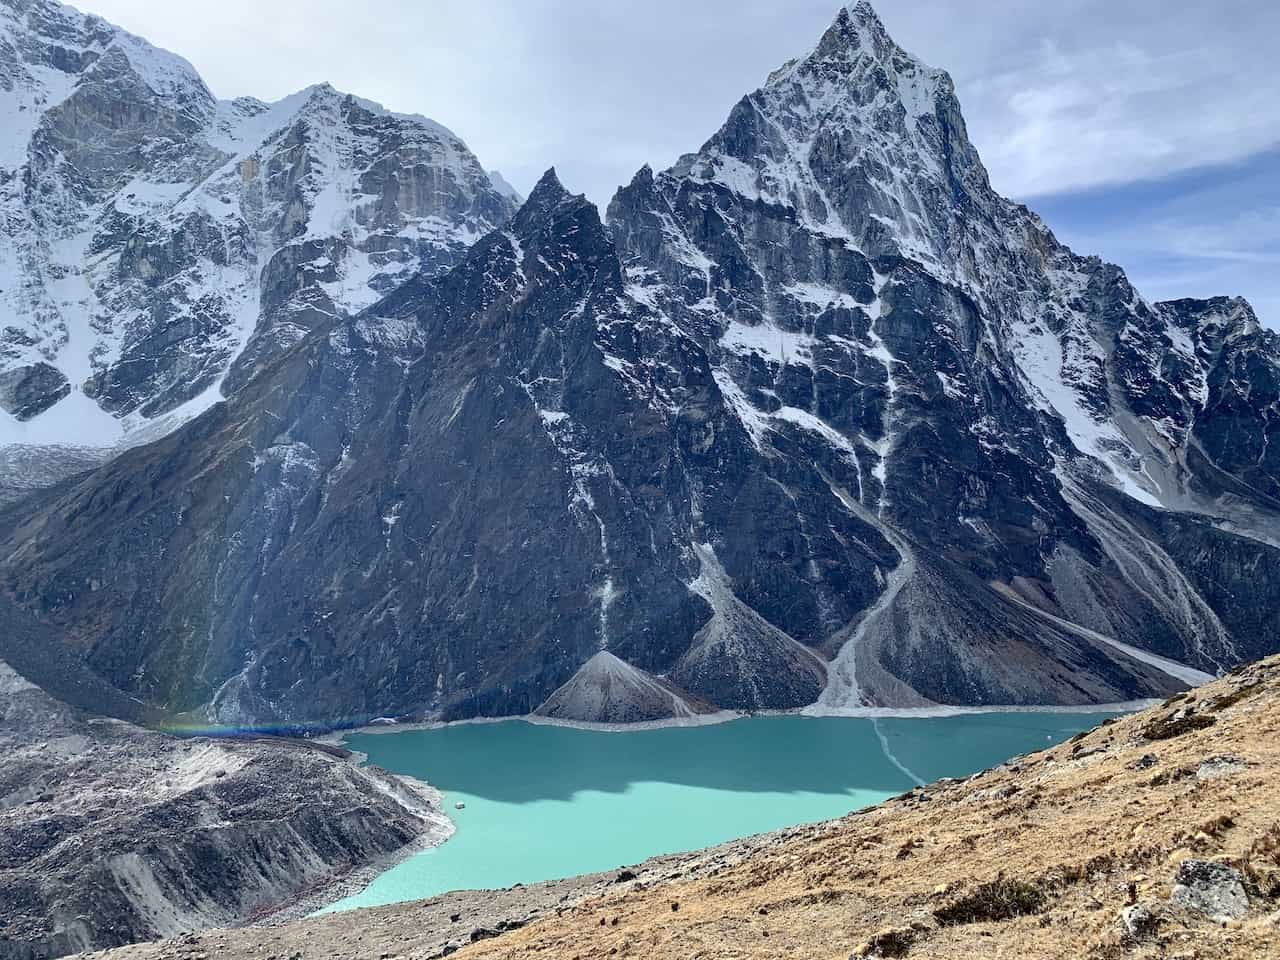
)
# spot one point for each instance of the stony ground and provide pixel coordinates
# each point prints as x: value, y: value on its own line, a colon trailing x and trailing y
x: 1155, y: 836
x: 111, y: 834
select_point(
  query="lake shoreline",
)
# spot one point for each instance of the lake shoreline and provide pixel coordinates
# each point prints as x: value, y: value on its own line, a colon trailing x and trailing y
x: 420, y: 797
x: 341, y: 888
x: 526, y: 812
x: 338, y: 737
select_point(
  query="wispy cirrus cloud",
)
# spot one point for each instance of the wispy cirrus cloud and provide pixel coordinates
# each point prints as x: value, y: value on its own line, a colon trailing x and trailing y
x: 1249, y: 237
x: 1115, y: 113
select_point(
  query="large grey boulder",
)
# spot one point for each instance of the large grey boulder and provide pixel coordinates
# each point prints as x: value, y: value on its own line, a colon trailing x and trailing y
x: 27, y: 392
x: 1213, y: 889
x: 1139, y: 923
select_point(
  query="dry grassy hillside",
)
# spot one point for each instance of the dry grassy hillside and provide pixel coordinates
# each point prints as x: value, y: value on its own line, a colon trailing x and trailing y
x: 1155, y: 836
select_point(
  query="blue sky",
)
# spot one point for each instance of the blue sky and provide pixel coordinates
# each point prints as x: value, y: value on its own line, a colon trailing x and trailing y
x: 1145, y: 131
x: 1201, y: 233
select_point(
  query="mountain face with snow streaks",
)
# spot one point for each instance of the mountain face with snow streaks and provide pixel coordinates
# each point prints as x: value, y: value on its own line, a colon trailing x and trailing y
x: 154, y: 236
x: 999, y: 395
x: 814, y: 419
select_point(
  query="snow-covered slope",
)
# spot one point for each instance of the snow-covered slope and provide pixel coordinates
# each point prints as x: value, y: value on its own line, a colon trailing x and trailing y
x: 506, y: 189
x: 149, y: 233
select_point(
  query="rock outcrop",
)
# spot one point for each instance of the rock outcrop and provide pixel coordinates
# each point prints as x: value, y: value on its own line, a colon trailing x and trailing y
x: 27, y: 392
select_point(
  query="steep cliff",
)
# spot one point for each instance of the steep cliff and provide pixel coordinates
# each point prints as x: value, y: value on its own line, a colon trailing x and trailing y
x: 153, y: 236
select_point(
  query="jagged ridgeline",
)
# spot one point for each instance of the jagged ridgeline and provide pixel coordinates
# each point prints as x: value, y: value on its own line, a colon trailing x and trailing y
x: 817, y: 419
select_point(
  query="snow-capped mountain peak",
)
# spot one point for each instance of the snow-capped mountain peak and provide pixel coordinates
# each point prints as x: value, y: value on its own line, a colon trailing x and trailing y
x: 856, y: 33
x: 159, y: 243
x: 856, y: 58
x: 865, y: 296
x: 503, y: 187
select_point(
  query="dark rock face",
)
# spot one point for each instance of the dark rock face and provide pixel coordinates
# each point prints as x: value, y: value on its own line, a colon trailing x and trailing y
x: 152, y: 234
x: 27, y: 392
x: 840, y: 252
x: 818, y: 418
x: 478, y: 491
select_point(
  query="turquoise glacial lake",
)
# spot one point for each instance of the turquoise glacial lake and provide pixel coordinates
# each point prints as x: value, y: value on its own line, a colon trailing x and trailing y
x: 545, y: 802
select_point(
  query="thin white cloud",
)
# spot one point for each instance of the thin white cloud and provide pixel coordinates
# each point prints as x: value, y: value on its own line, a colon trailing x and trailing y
x: 1252, y: 236
x: 1115, y: 113
x: 1192, y: 243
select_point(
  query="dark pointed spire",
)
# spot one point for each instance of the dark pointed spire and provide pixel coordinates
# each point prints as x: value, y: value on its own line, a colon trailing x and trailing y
x: 549, y: 194
x: 857, y: 26
x: 549, y: 190
x: 643, y: 179
x: 557, y: 219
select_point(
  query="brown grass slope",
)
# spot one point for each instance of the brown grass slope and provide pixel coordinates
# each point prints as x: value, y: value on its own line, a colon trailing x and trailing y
x: 1070, y: 853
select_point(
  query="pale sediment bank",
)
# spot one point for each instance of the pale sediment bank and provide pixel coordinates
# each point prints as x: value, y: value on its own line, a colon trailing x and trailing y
x: 416, y: 795
x: 339, y: 737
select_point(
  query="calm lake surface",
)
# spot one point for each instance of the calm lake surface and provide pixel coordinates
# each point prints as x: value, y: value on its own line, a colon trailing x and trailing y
x: 544, y: 803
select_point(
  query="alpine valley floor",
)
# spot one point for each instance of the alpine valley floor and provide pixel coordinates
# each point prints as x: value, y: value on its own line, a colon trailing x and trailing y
x: 1157, y: 835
